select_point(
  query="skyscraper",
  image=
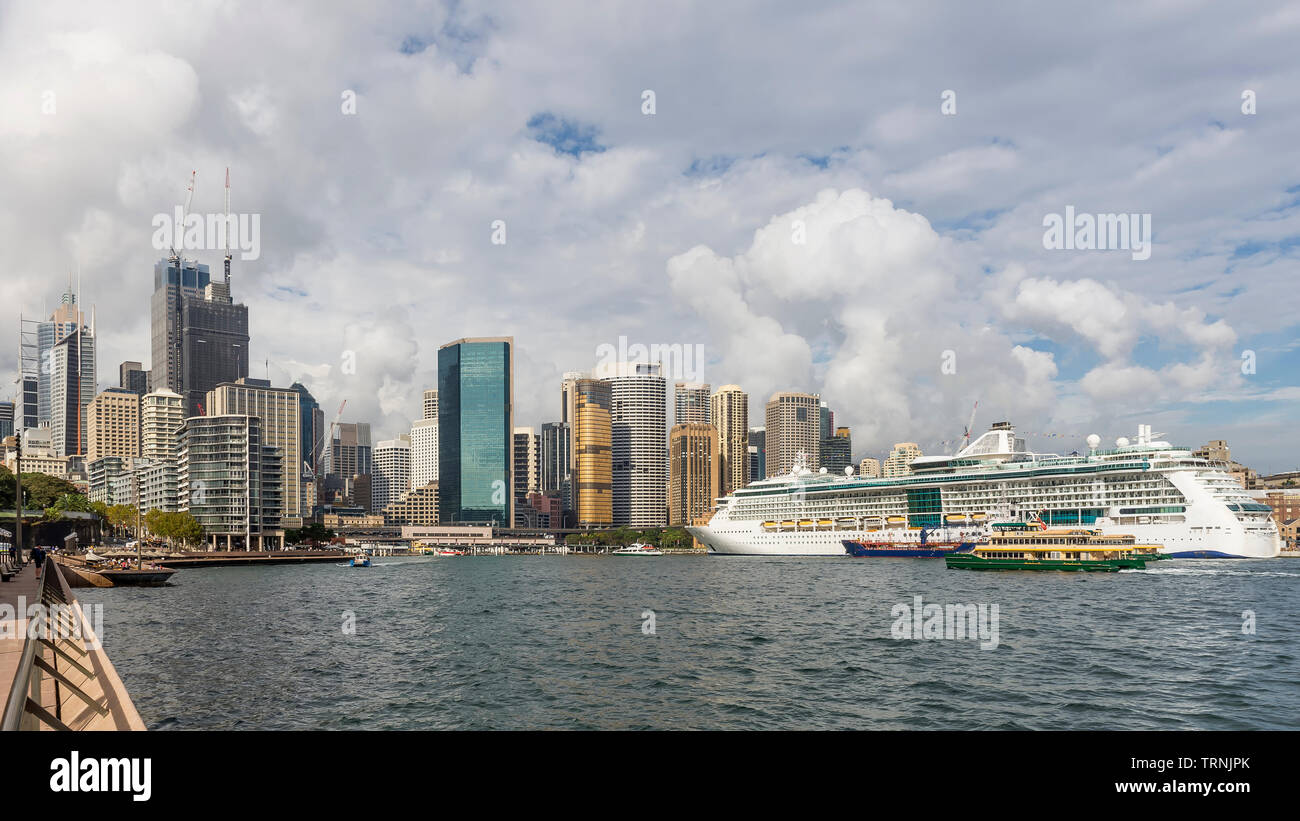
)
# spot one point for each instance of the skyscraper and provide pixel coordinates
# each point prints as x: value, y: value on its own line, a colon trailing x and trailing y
x: 695, y: 474
x: 200, y: 336
x: 63, y: 321
x: 638, y: 423
x: 757, y: 451
x: 281, y: 428
x: 869, y: 468
x: 311, y: 442
x: 475, y: 427
x: 72, y: 386
x: 556, y: 461
x: 429, y: 405
x: 793, y: 429
x: 730, y: 412
x: 162, y: 414
x: 900, y: 460
x: 113, y: 425
x: 392, y: 472
x: 592, y: 487
x: 6, y: 419
x: 230, y: 481
x: 691, y: 404
x: 837, y: 451
x: 349, y: 460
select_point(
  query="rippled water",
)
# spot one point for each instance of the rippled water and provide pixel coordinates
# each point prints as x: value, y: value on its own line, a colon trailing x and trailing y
x: 739, y: 643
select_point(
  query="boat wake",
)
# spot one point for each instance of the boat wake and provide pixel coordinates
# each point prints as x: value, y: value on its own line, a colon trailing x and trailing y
x: 1207, y: 571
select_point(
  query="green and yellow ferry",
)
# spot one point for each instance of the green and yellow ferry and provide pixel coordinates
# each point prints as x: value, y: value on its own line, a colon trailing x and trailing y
x: 1033, y: 547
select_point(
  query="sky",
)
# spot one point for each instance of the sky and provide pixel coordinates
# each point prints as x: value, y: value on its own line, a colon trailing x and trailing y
x: 849, y: 199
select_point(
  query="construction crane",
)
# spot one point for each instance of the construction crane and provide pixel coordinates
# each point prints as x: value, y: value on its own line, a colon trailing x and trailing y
x: 969, y: 427
x: 225, y: 238
x: 185, y: 212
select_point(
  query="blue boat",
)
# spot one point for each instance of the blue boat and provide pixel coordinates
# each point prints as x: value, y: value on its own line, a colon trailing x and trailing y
x: 363, y: 561
x: 922, y: 549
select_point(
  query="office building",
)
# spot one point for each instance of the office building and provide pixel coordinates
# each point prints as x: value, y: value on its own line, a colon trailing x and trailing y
x: 757, y: 451
x: 695, y: 472
x: 475, y: 430
x: 62, y: 322
x: 311, y: 441
x: 417, y: 506
x: 592, y: 487
x: 113, y: 424
x: 691, y: 404
x: 72, y: 386
x: 730, y: 414
x: 556, y: 462
x: 837, y: 451
x: 638, y: 423
x: 526, y: 465
x: 792, y: 431
x: 6, y: 419
x: 391, y: 476
x: 429, y: 405
x: 133, y: 377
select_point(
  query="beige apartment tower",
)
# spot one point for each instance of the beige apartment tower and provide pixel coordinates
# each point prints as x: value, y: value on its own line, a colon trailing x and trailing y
x: 113, y: 424
x: 793, y: 428
x: 278, y: 410
x: 694, y: 470
x: 730, y: 412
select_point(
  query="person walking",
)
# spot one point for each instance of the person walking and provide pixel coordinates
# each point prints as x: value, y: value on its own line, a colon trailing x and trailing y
x: 38, y: 556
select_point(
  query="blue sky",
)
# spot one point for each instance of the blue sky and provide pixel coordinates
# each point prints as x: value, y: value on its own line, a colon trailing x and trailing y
x: 923, y: 230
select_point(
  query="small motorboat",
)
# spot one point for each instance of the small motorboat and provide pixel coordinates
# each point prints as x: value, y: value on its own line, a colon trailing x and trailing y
x: 359, y: 561
x: 637, y: 549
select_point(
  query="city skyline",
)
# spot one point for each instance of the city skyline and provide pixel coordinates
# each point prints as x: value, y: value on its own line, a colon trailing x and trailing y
x: 925, y: 229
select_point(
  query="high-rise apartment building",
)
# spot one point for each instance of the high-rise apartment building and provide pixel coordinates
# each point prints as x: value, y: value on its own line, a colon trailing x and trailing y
x: 392, y: 472
x: 691, y: 404
x: 475, y: 429
x: 429, y: 405
x: 592, y: 487
x: 230, y: 481
x: 113, y: 425
x: 900, y: 460
x: 730, y: 413
x: 527, y: 462
x: 281, y: 428
x: 162, y: 414
x: 638, y: 424
x: 793, y: 430
x: 869, y: 468
x: 695, y: 472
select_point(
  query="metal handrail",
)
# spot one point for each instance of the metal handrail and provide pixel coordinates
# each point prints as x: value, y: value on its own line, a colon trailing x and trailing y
x: 23, y: 709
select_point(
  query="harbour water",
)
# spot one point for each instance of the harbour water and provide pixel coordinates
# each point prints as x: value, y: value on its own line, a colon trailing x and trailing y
x: 737, y: 643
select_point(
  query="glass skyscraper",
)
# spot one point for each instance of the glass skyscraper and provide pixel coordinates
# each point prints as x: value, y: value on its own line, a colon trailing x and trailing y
x: 475, y: 430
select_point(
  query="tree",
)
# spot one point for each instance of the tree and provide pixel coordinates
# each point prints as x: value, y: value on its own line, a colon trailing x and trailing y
x: 40, y: 490
x: 68, y: 501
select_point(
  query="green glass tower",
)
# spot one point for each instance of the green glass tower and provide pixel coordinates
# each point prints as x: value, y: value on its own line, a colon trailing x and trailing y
x: 475, y: 430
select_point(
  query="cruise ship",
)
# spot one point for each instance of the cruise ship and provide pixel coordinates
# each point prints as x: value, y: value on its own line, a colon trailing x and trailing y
x: 1158, y: 492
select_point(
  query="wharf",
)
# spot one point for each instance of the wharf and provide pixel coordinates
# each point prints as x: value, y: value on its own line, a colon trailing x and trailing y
x: 242, y: 557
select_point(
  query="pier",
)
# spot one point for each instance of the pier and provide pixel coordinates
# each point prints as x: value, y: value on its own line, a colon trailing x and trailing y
x: 59, y: 677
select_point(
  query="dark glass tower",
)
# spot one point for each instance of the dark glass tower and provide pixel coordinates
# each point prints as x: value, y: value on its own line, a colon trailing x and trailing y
x: 475, y: 430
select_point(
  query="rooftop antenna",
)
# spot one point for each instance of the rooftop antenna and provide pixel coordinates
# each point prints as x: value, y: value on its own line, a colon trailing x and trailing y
x: 225, y: 238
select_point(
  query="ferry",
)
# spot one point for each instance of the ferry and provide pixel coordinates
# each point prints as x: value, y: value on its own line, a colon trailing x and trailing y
x: 1086, y: 550
x: 359, y: 561
x: 1158, y: 492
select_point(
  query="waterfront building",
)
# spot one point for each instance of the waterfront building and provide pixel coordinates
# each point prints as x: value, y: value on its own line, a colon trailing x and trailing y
x: 542, y: 511
x: 757, y: 454
x: 793, y: 430
x: 475, y: 427
x: 869, y: 468
x: 417, y: 506
x: 113, y: 424
x: 638, y: 422
x: 695, y: 472
x: 900, y: 459
x: 691, y: 404
x: 279, y: 410
x: 230, y: 480
x: 102, y: 471
x: 592, y: 487
x: 133, y: 377
x: 730, y: 415
x: 392, y: 472
x: 72, y: 386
